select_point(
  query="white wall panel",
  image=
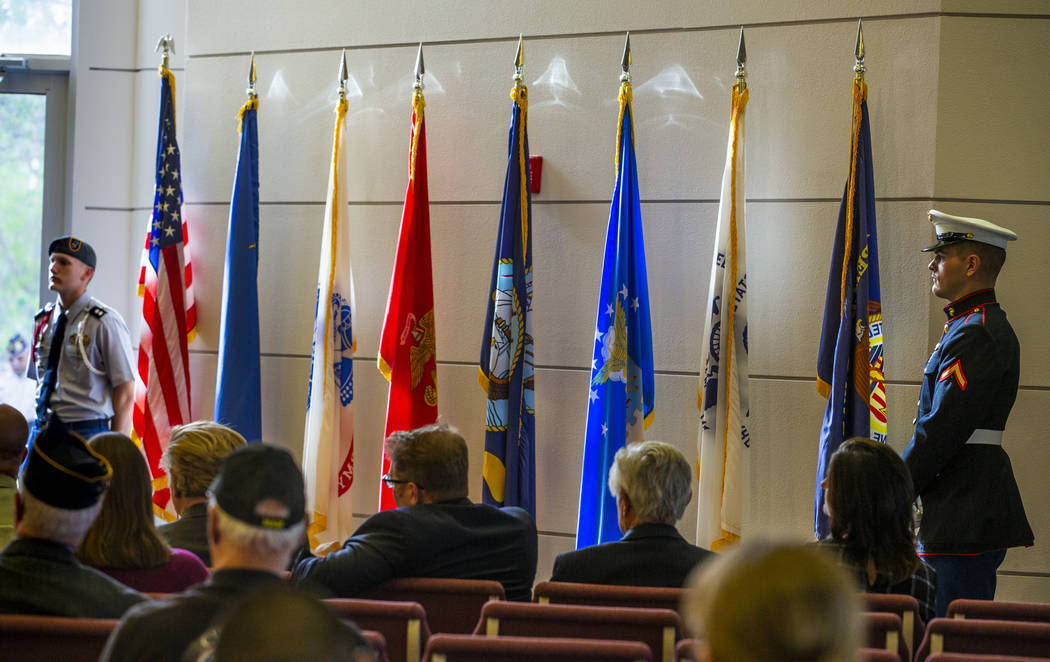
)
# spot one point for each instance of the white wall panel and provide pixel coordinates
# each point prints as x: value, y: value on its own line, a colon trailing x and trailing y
x: 102, y: 155
x: 108, y: 233
x: 992, y: 140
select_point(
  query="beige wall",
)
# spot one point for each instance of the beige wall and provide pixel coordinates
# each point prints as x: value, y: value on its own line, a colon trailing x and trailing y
x: 958, y: 108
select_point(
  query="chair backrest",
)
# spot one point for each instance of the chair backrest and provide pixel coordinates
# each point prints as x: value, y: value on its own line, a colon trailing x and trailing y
x: 974, y: 657
x: 470, y: 648
x: 603, y: 595
x: 49, y: 638
x: 402, y: 624
x: 685, y: 650
x: 378, y: 642
x: 886, y: 632
x: 951, y: 635
x: 905, y: 606
x: 878, y: 655
x: 657, y: 628
x: 452, y: 605
x: 1000, y: 611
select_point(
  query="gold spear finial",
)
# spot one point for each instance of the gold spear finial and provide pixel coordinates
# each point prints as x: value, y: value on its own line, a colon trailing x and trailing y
x: 165, y: 46
x: 251, y: 79
x: 626, y: 61
x: 343, y: 75
x: 420, y: 69
x: 859, y: 52
x: 519, y: 59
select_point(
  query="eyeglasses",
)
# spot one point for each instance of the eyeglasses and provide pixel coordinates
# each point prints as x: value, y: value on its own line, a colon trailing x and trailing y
x: 391, y: 482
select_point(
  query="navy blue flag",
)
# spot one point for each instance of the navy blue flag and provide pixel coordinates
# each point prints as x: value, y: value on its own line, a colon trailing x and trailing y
x: 238, y: 402
x: 850, y: 370
x: 505, y: 370
x: 620, y: 399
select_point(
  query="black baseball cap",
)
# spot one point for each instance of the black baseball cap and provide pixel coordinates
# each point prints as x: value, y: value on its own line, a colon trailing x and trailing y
x: 63, y: 471
x: 73, y: 247
x: 257, y: 472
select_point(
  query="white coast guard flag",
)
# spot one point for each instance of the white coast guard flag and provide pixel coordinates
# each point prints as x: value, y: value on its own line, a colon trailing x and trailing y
x: 328, y: 448
x: 723, y: 467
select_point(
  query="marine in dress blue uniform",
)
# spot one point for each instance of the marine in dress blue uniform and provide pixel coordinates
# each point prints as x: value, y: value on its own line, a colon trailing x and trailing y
x: 92, y: 382
x: 972, y: 510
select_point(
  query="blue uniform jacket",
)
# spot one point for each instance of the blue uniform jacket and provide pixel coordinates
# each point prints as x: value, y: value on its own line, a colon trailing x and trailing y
x: 970, y: 499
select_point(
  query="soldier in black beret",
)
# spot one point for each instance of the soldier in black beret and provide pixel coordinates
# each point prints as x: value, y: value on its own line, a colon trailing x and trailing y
x: 59, y: 496
x: 82, y: 357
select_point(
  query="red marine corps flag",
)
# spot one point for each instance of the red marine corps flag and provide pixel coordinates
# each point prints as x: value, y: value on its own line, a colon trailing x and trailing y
x: 407, y: 348
x: 169, y: 314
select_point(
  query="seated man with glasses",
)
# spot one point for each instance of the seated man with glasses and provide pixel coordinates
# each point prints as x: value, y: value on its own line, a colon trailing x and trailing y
x: 434, y: 532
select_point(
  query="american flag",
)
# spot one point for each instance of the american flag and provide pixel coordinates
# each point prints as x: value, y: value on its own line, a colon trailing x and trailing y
x: 169, y: 314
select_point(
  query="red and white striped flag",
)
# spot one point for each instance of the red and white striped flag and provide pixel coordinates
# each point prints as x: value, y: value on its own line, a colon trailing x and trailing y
x: 169, y: 313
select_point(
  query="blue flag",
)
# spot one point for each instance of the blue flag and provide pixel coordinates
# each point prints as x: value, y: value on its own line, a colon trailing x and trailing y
x: 237, y: 399
x: 506, y: 371
x: 622, y: 385
x: 850, y: 371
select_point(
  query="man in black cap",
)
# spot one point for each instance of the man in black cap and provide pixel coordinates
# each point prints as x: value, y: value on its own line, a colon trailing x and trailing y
x: 972, y: 510
x: 60, y: 494
x: 256, y: 520
x: 82, y: 357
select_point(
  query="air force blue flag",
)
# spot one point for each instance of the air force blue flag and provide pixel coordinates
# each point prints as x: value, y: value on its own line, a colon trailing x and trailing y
x: 622, y: 385
x: 506, y: 370
x: 237, y: 393
x: 850, y: 370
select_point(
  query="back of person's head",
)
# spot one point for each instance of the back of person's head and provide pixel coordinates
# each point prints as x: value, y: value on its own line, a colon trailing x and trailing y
x: 773, y: 601
x: 14, y: 433
x: 870, y: 497
x: 283, y: 624
x: 194, y: 454
x: 258, y: 501
x: 124, y: 535
x: 61, y: 486
x: 656, y: 478
x: 433, y: 457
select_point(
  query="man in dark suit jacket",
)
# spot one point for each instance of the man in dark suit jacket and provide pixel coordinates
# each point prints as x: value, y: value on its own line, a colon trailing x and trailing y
x: 651, y: 482
x: 434, y: 532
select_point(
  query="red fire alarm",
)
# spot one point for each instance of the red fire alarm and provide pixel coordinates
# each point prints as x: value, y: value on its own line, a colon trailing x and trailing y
x: 536, y: 169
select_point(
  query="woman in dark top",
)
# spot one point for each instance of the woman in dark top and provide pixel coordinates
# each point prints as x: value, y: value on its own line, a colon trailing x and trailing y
x: 123, y: 542
x: 868, y: 497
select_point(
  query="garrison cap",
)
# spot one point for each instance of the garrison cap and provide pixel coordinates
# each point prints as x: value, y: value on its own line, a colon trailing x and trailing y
x: 73, y: 247
x: 256, y: 473
x: 16, y: 345
x: 63, y: 471
x: 953, y: 229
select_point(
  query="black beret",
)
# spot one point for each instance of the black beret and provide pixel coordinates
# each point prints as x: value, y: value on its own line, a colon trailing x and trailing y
x: 73, y: 247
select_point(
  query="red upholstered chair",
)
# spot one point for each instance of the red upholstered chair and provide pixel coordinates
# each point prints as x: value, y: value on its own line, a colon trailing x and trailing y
x: 50, y: 638
x: 402, y: 624
x: 657, y: 628
x: 878, y: 655
x: 905, y: 606
x: 376, y: 640
x: 602, y: 595
x: 685, y: 650
x: 966, y: 657
x: 886, y: 632
x: 950, y: 635
x: 452, y: 605
x: 1000, y: 611
x: 469, y: 648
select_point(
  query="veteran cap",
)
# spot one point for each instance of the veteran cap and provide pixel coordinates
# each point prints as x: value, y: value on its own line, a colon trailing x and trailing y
x: 63, y: 471
x: 73, y: 247
x: 16, y: 345
x: 256, y: 473
x: 952, y: 229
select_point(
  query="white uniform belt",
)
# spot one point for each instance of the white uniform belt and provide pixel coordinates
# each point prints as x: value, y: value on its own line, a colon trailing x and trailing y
x: 992, y: 437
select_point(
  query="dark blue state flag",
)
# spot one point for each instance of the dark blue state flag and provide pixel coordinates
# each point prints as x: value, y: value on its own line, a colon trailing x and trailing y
x: 620, y: 398
x: 237, y: 390
x: 850, y: 371
x: 506, y: 368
